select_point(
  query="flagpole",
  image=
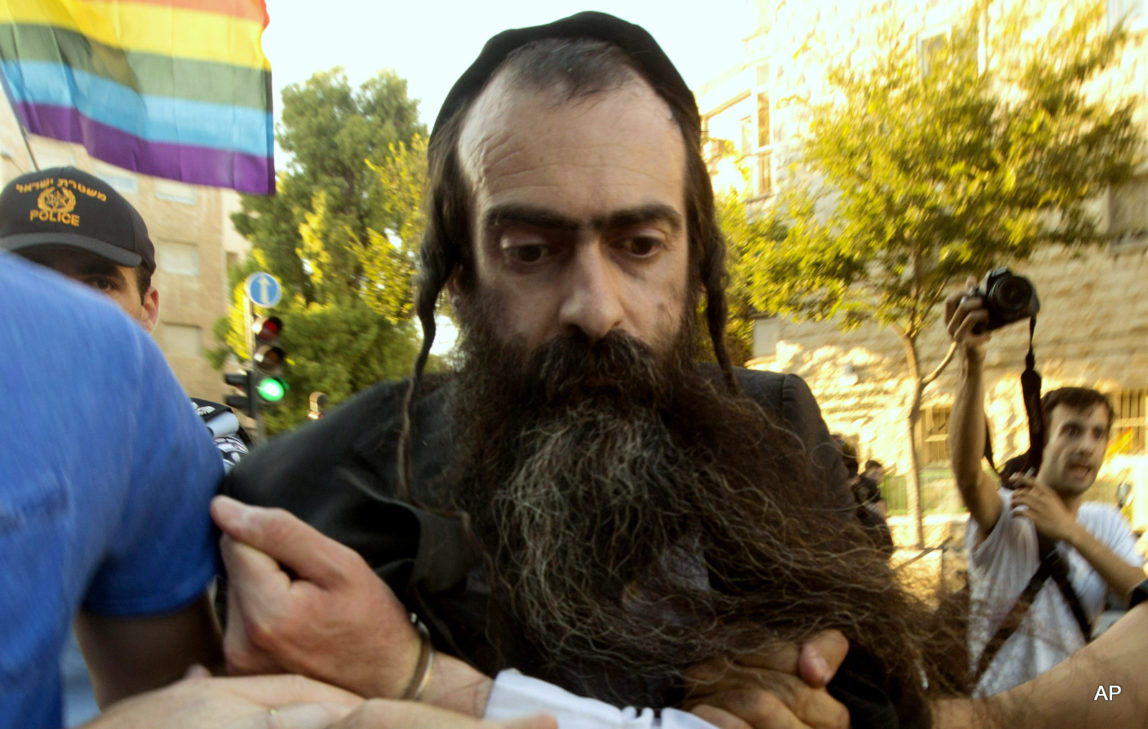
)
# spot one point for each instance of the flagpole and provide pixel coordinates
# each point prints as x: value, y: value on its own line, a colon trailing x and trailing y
x: 27, y: 144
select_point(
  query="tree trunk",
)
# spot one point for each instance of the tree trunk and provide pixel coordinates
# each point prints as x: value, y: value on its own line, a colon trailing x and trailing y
x: 916, y: 523
x: 913, y: 485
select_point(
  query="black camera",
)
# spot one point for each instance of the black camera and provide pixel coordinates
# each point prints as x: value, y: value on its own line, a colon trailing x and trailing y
x: 1007, y: 298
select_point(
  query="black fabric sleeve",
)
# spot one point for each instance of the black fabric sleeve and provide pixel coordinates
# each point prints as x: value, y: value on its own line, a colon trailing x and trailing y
x: 788, y: 399
x: 1139, y: 594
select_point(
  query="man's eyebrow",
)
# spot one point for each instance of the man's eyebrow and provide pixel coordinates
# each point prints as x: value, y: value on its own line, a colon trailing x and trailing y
x: 654, y: 213
x: 504, y: 215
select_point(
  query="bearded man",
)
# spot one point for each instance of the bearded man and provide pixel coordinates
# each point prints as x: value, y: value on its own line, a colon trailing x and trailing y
x: 580, y: 499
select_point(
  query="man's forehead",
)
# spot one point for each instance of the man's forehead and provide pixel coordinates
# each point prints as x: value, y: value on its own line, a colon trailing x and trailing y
x: 510, y: 125
x: 1064, y: 413
x: 493, y: 111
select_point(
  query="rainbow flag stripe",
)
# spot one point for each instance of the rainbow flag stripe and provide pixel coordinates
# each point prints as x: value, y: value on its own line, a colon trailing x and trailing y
x: 172, y: 88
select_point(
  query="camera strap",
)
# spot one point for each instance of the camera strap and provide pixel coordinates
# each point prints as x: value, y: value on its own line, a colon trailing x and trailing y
x: 1051, y: 565
x: 1014, y: 617
x: 1030, y: 384
x: 1058, y: 571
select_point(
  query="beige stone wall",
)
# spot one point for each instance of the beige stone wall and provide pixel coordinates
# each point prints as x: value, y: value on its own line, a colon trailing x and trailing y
x: 1091, y: 331
x: 191, y: 277
x: 194, y: 242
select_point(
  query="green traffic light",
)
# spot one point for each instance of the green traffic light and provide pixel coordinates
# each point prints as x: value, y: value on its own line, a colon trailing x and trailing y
x: 272, y: 389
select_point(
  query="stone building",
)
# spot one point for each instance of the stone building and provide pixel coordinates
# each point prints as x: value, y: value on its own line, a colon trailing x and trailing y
x: 1093, y: 327
x: 194, y: 241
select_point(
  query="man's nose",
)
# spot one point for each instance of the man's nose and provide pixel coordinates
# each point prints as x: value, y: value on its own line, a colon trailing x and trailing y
x: 1088, y: 445
x: 592, y: 300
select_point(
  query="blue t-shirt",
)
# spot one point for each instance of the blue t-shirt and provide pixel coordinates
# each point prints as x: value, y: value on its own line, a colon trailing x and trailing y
x: 105, y: 478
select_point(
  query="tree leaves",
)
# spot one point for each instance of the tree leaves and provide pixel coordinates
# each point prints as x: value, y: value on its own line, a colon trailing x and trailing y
x: 341, y: 236
x: 914, y: 181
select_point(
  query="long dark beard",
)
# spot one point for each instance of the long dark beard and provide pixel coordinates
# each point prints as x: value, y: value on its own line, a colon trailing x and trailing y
x: 641, y: 520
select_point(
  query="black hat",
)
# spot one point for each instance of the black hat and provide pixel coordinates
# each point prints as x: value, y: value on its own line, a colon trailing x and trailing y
x: 69, y: 207
x: 649, y: 58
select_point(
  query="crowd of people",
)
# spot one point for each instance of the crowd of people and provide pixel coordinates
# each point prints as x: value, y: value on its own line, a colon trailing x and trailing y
x: 578, y: 526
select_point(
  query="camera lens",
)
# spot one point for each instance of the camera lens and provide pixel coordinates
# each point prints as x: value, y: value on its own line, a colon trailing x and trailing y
x: 1012, y: 294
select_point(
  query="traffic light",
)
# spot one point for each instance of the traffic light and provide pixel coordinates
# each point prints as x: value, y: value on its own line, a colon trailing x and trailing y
x: 269, y: 358
x: 245, y: 381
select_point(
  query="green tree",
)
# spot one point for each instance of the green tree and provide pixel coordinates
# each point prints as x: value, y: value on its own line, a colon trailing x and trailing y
x: 923, y: 171
x: 340, y: 235
x: 744, y: 233
x: 331, y: 132
x: 391, y: 254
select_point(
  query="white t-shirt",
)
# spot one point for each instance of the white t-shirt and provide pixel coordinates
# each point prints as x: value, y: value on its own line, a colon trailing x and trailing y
x: 515, y: 695
x: 999, y: 569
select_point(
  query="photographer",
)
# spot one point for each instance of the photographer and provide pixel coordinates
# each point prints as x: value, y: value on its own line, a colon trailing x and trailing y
x: 1040, y: 561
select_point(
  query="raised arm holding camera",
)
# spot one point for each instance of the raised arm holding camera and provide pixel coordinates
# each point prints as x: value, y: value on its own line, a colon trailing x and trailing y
x: 1040, y: 561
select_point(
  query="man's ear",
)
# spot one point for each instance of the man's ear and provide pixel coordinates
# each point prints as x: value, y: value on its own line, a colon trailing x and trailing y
x: 149, y: 316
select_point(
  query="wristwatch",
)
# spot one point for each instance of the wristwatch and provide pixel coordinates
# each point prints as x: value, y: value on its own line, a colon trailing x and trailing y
x: 1139, y: 594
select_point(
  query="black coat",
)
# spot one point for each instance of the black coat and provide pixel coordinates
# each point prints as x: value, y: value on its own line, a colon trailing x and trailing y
x: 339, y: 474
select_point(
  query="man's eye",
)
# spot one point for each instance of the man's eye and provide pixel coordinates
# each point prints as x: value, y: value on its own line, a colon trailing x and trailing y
x: 530, y: 253
x: 640, y: 245
x: 100, y: 283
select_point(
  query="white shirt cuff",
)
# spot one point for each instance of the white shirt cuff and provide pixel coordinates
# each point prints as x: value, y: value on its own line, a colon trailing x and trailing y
x: 515, y: 695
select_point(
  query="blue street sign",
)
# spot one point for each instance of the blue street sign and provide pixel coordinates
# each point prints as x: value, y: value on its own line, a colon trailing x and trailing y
x: 263, y: 289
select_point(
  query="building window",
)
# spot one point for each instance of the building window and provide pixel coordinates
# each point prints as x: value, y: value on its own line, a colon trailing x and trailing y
x: 177, y: 258
x: 1129, y: 421
x: 54, y: 158
x: 935, y: 42
x: 1134, y: 13
x: 764, y: 173
x: 764, y: 135
x: 934, y: 429
x: 180, y: 340
x: 714, y: 148
x: 930, y: 45
x: 762, y: 75
x: 746, y: 136
x: 173, y: 191
x: 121, y: 180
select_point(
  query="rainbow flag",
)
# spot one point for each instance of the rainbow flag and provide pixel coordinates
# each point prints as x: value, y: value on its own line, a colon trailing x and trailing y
x: 172, y: 88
